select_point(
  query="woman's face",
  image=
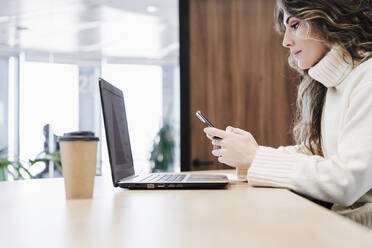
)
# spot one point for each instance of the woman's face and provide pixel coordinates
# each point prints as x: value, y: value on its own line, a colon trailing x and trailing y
x: 305, y: 45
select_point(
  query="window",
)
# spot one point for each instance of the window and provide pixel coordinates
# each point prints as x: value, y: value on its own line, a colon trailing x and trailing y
x: 48, y: 95
x: 142, y: 89
x: 61, y: 96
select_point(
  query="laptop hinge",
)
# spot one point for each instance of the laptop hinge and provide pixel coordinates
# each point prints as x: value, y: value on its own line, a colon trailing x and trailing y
x: 127, y: 178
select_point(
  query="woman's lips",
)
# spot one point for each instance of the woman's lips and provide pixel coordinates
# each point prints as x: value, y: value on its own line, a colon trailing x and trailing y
x: 296, y: 53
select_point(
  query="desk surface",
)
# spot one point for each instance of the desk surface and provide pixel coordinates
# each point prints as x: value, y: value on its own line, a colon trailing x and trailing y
x: 34, y: 213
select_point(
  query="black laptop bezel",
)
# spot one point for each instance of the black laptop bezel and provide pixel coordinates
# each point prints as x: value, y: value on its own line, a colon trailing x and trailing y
x: 104, y: 85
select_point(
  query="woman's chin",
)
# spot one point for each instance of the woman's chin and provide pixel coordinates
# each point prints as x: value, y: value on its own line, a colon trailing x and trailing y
x: 303, y: 66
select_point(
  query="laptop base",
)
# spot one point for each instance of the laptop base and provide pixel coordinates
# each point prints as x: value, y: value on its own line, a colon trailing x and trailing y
x: 170, y: 186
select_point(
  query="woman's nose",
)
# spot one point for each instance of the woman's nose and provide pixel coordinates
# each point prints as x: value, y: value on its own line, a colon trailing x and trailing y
x: 287, y: 40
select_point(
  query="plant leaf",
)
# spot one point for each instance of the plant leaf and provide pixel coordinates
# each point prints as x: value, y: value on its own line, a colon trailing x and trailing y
x: 5, y: 162
x: 32, y: 162
x: 2, y: 173
x: 20, y: 166
x: 10, y: 172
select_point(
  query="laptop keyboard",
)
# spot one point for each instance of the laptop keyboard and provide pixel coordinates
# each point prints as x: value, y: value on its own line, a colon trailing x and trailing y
x: 163, y: 178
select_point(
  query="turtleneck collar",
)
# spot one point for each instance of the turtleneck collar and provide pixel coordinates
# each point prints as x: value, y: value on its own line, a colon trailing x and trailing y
x: 332, y: 69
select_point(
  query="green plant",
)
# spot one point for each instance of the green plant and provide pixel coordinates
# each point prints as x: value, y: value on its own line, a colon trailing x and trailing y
x: 162, y: 154
x: 13, y: 168
x: 45, y: 156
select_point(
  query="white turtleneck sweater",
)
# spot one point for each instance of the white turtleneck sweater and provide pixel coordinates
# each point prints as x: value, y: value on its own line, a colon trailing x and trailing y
x: 344, y: 175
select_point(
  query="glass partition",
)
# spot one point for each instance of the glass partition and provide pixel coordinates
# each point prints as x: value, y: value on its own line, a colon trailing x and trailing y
x: 59, y: 51
x: 49, y: 106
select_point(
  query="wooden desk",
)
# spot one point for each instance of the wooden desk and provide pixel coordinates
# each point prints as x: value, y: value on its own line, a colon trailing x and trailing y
x: 34, y: 213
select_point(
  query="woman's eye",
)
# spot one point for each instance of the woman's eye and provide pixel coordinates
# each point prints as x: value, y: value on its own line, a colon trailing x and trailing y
x: 295, y: 25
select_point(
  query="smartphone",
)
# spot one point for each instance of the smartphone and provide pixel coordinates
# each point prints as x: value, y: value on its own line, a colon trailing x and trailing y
x: 208, y: 124
x: 203, y: 119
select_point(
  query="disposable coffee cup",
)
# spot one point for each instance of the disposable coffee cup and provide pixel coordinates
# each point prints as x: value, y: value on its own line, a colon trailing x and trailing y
x: 78, y: 157
x: 241, y: 173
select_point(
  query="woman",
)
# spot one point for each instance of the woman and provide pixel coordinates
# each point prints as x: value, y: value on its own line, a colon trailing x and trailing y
x: 331, y: 47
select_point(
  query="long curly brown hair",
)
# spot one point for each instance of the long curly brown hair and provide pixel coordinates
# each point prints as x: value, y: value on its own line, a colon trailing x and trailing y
x: 345, y: 24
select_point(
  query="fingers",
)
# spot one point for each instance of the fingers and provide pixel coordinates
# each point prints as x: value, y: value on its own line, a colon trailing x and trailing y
x: 221, y: 160
x: 213, y: 139
x: 215, y: 132
x: 217, y: 142
x: 211, y: 132
x: 229, y: 129
x: 216, y: 147
x: 218, y: 152
x: 240, y: 131
x: 236, y: 130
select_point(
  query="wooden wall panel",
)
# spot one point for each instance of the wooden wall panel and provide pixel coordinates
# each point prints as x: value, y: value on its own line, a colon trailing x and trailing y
x: 239, y: 74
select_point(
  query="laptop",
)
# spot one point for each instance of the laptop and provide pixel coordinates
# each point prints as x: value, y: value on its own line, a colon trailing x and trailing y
x: 120, y: 152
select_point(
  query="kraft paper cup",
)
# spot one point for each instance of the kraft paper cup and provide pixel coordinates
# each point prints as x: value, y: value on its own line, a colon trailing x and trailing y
x: 78, y: 157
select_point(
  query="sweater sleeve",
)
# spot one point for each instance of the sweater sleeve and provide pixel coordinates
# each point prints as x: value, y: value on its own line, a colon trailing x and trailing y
x: 342, y: 178
x: 294, y: 149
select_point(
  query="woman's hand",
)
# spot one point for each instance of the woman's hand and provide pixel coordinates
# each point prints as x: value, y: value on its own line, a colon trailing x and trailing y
x: 237, y: 147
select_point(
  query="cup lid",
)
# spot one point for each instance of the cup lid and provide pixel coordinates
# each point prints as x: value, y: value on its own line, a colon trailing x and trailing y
x: 79, y: 136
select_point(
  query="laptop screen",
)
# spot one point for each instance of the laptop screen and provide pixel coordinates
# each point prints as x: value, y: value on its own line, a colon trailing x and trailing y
x: 117, y: 134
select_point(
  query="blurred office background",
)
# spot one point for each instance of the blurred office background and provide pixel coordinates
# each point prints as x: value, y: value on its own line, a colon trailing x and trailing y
x: 51, y: 55
x: 170, y: 58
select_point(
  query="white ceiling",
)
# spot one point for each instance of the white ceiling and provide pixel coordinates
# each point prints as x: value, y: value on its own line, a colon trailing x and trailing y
x: 95, y: 28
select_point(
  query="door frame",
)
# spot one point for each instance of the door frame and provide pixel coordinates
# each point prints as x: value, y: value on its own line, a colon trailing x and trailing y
x: 184, y: 38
